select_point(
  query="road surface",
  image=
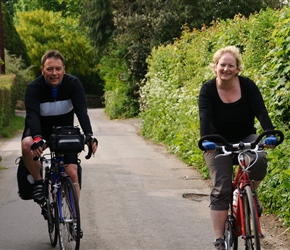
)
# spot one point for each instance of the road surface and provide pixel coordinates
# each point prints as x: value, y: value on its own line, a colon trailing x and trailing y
x: 131, y: 198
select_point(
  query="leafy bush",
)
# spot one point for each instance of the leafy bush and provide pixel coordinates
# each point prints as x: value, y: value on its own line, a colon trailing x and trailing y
x: 119, y: 95
x: 43, y: 30
x: 8, y: 93
x: 15, y: 65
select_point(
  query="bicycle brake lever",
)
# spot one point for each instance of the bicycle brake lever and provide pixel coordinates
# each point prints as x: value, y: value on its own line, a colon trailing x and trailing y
x: 224, y: 152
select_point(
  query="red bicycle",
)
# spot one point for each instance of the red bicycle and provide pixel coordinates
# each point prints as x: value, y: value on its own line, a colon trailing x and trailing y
x: 243, y: 219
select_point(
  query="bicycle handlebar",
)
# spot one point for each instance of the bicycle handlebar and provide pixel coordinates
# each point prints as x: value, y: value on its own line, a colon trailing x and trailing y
x: 42, y: 143
x: 220, y: 139
x: 88, y: 156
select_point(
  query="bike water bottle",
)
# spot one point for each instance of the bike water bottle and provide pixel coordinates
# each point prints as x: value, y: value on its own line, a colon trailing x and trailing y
x: 235, y: 202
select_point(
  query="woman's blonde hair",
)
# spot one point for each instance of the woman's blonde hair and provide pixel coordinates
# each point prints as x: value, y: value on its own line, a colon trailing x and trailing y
x: 229, y: 49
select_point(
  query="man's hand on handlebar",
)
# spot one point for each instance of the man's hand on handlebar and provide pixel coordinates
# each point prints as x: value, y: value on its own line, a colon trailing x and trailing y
x: 92, y: 143
x: 37, y: 146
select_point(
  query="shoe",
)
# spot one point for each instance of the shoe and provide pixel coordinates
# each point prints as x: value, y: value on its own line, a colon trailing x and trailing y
x: 38, y: 192
x: 259, y: 205
x: 220, y: 244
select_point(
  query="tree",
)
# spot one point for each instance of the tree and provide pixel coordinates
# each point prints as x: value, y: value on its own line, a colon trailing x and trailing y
x: 42, y: 30
x: 222, y: 9
x: 15, y: 46
x: 9, y: 6
x: 97, y: 17
x: 140, y: 25
x: 69, y: 8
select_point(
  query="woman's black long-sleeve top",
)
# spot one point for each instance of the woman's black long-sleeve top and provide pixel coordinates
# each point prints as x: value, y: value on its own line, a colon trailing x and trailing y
x: 234, y: 121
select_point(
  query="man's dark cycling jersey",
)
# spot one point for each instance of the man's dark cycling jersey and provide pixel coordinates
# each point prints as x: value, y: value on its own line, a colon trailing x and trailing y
x: 48, y: 107
x: 234, y: 121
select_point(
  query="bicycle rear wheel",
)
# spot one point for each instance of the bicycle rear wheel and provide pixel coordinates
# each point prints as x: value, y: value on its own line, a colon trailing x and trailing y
x: 52, y: 210
x: 69, y: 227
x: 251, y: 222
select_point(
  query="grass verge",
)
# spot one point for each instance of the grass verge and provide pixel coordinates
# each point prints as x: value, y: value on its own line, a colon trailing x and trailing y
x: 16, y: 125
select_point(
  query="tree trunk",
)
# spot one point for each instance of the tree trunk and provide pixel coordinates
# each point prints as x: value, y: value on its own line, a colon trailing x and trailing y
x: 2, y: 55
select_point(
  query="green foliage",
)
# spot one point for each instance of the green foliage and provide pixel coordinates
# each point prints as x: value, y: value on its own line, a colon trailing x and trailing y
x: 5, y: 101
x: 12, y: 40
x: 275, y: 187
x: 119, y: 101
x: 16, y: 125
x: 277, y: 69
x: 274, y: 190
x: 97, y: 17
x: 176, y: 72
x: 42, y: 30
x: 66, y: 7
x: 23, y: 75
x: 139, y: 25
x: 8, y: 96
x: 219, y: 9
x: 118, y: 104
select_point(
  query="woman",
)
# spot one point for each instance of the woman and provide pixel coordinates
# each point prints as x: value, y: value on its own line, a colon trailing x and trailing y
x: 228, y: 106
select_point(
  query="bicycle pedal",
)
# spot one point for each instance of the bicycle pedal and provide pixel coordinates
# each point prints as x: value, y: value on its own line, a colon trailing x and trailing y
x: 44, y: 212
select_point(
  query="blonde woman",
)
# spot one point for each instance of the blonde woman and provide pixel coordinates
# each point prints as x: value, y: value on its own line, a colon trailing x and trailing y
x: 228, y: 106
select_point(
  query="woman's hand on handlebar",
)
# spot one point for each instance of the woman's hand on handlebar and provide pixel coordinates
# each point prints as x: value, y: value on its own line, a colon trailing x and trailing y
x: 209, y: 146
x: 270, y: 141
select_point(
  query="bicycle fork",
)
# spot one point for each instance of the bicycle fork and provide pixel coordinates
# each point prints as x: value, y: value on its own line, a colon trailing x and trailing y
x: 240, y: 227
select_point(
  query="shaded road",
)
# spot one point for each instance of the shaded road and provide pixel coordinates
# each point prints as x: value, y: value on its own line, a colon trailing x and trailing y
x: 132, y: 196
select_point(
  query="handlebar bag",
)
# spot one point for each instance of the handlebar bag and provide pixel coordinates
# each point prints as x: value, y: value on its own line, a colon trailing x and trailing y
x: 66, y: 140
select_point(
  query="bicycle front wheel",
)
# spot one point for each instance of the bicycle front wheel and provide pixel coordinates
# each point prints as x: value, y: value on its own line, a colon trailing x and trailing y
x: 70, y: 225
x: 251, y: 221
x: 52, y: 210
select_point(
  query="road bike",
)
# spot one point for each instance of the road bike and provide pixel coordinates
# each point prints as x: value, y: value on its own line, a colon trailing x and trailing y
x: 243, y: 218
x: 61, y: 207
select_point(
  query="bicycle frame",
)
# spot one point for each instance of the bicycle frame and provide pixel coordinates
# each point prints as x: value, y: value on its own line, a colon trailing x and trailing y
x: 240, y: 181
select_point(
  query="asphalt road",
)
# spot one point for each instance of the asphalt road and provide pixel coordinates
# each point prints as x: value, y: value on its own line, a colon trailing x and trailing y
x: 132, y: 196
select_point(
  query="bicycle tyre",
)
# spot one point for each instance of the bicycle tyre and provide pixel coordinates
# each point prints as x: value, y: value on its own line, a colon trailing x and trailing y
x: 70, y: 225
x: 251, y: 222
x: 229, y: 231
x: 52, y: 210
x: 230, y: 236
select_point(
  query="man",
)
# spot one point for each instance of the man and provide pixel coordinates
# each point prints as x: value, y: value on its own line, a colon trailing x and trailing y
x: 51, y: 100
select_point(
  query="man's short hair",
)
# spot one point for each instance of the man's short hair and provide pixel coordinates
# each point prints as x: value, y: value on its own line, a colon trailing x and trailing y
x: 52, y: 53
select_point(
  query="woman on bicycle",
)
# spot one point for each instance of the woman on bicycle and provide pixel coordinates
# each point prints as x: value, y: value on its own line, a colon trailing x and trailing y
x: 228, y: 106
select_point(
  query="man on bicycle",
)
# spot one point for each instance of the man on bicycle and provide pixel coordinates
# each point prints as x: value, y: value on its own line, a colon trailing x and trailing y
x: 51, y: 100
